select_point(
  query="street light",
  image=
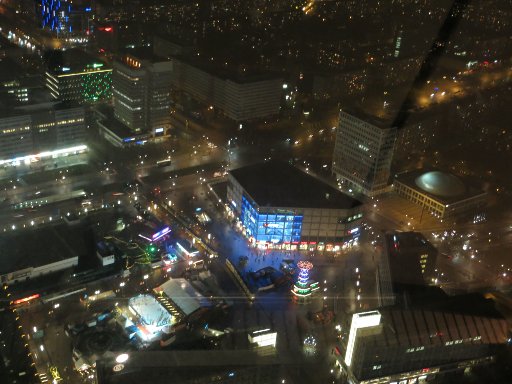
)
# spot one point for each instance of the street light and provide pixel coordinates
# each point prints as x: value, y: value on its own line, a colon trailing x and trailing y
x: 122, y: 358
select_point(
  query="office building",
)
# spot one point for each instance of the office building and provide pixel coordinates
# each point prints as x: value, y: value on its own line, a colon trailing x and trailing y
x: 401, y: 346
x: 41, y: 132
x: 239, y: 97
x: 79, y: 77
x: 439, y: 193
x: 114, y: 131
x: 363, y: 152
x: 280, y: 206
x: 141, y: 91
x: 17, y: 87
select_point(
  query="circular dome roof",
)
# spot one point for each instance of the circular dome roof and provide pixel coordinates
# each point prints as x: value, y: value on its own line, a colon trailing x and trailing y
x: 440, y: 184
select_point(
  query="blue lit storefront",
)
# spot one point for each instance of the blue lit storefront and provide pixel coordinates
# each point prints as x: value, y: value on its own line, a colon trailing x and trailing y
x: 278, y: 228
x: 281, y: 226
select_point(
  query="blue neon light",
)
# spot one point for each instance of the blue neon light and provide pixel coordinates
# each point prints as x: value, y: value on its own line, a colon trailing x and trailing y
x: 161, y: 233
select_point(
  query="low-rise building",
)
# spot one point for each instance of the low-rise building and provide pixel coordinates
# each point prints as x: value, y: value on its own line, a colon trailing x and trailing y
x: 439, y: 193
x: 279, y: 206
x: 51, y: 249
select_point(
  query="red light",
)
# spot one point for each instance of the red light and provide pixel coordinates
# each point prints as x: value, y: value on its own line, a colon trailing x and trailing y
x: 108, y: 29
x: 425, y: 370
x: 25, y: 299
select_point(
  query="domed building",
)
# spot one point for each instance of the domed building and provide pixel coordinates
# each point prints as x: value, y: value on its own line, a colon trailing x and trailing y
x: 440, y: 193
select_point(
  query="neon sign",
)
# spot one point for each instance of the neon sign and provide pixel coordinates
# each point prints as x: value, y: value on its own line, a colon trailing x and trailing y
x: 161, y: 233
x: 26, y: 299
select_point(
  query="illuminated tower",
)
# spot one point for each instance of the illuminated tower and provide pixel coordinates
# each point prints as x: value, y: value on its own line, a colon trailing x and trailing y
x: 65, y: 16
x: 304, y: 286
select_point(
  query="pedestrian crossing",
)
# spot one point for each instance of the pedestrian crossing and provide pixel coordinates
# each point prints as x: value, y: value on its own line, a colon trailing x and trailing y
x: 43, y: 378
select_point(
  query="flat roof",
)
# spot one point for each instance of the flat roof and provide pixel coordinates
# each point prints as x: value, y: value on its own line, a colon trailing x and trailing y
x: 186, y: 366
x: 76, y: 60
x: 186, y: 297
x: 150, y: 310
x: 122, y: 131
x: 279, y: 184
x: 404, y: 251
x: 423, y: 327
x: 377, y: 121
x: 47, y: 244
x: 441, y: 186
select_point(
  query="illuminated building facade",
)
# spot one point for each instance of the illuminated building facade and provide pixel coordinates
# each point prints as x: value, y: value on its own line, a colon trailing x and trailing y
x: 141, y: 91
x: 156, y: 236
x: 66, y: 16
x: 413, y: 346
x: 42, y: 132
x: 363, y: 152
x: 80, y: 78
x: 279, y: 206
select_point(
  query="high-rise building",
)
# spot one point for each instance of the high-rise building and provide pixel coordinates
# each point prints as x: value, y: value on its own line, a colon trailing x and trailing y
x: 408, y: 260
x: 79, y: 77
x: 66, y: 17
x: 141, y: 91
x: 363, y: 152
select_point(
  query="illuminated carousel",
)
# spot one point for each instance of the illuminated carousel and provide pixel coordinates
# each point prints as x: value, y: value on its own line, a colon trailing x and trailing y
x: 304, y: 287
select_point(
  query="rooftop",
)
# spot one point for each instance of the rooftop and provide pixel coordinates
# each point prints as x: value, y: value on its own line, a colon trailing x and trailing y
x: 184, y: 366
x: 361, y: 114
x: 280, y: 184
x: 442, y: 186
x: 437, y: 327
x: 119, y: 129
x: 48, y: 244
x: 404, y: 252
x: 184, y: 295
x: 73, y: 61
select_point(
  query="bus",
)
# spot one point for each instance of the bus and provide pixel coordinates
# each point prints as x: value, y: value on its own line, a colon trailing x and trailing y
x: 163, y: 163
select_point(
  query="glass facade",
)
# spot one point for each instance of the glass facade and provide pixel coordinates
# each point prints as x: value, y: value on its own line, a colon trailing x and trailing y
x: 278, y: 227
